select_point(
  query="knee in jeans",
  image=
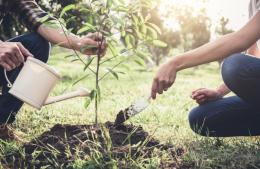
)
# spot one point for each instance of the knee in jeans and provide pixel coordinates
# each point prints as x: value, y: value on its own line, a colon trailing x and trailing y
x: 197, y: 122
x: 233, y: 69
x: 42, y: 46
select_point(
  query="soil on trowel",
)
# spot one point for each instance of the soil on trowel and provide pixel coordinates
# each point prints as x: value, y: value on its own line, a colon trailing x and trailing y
x: 62, y: 144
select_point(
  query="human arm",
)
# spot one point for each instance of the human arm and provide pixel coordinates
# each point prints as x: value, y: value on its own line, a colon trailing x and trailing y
x: 91, y: 42
x: 12, y: 54
x: 35, y: 19
x: 219, y: 49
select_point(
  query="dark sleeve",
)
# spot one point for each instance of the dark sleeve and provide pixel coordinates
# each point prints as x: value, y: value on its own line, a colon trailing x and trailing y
x: 29, y: 12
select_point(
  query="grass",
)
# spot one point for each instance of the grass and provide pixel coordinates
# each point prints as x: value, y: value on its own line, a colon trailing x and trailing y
x: 166, y: 118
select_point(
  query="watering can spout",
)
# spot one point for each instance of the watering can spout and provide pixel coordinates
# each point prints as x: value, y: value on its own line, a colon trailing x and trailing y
x: 82, y: 92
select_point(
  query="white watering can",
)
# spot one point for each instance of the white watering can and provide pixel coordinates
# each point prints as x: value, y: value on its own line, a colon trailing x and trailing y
x: 35, y: 82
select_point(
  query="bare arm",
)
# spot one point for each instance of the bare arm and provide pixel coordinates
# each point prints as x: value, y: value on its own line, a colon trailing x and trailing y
x: 60, y: 36
x: 221, y: 48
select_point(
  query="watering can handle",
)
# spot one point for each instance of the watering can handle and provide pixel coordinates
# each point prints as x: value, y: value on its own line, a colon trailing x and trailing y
x: 9, y: 84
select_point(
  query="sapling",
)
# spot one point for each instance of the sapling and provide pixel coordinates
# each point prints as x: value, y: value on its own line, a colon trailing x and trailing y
x: 124, y: 27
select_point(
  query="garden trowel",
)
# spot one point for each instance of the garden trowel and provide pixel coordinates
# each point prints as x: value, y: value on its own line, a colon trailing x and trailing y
x: 135, y: 108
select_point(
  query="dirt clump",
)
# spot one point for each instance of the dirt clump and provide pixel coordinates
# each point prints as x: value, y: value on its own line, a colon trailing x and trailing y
x: 62, y: 144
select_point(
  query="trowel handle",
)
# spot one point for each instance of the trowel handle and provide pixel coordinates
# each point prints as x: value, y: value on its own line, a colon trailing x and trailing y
x: 78, y: 93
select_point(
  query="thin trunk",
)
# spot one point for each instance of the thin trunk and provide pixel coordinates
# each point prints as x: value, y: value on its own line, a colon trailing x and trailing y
x: 97, y: 89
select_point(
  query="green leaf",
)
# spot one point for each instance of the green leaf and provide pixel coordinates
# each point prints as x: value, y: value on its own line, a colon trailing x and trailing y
x: 88, y: 63
x: 92, y: 94
x: 113, y: 73
x: 159, y: 43
x: 140, y: 62
x: 130, y: 41
x: 152, y: 33
x: 141, y: 54
x: 44, y: 19
x: 144, y: 29
x: 52, y: 24
x: 74, y: 60
x: 68, y: 56
x: 87, y: 103
x: 112, y: 49
x: 155, y: 27
x: 138, y: 33
x: 122, y: 30
x: 127, y: 41
x: 109, y: 3
x: 71, y: 19
x: 136, y: 21
x: 80, y: 79
x: 86, y: 27
x: 66, y: 9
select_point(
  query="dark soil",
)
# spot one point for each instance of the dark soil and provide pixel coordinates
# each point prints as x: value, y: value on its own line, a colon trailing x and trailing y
x: 121, y: 117
x: 64, y: 143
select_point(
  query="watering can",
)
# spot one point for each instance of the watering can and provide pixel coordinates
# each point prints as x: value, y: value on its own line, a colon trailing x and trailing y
x: 35, y: 82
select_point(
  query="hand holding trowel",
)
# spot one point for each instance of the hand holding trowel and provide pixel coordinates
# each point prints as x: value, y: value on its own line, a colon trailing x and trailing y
x: 135, y: 108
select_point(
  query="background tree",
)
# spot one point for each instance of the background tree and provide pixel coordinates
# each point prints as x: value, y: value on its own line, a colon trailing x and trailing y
x: 191, y: 29
x: 195, y: 27
x: 170, y: 36
x: 223, y: 29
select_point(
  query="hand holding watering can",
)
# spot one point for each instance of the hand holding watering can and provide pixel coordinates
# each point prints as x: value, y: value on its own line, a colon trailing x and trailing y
x: 35, y: 82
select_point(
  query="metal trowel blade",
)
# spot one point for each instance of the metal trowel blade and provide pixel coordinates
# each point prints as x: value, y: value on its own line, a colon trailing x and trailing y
x: 140, y: 105
x: 135, y: 108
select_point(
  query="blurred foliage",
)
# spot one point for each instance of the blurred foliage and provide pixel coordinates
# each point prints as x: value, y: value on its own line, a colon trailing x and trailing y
x: 170, y: 36
x: 191, y: 29
x: 143, y: 19
x: 11, y: 26
x: 223, y: 29
x: 195, y: 27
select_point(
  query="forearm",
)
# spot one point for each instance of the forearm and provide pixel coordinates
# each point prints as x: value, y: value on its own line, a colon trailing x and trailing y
x: 219, y: 49
x: 223, y: 47
x: 59, y: 36
x: 223, y: 90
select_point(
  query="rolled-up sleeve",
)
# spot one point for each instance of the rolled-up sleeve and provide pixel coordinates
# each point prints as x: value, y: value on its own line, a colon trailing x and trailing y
x: 29, y: 12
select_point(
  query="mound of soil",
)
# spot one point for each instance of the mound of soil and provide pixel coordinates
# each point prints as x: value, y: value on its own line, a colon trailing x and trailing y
x: 64, y: 143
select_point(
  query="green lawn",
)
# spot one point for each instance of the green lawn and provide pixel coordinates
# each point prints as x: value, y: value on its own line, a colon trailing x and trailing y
x: 166, y: 118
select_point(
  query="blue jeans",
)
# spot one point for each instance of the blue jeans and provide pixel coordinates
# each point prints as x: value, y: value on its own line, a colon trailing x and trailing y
x: 232, y: 116
x: 9, y: 105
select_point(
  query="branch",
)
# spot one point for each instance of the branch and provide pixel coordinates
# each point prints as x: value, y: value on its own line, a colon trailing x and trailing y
x: 76, y: 53
x: 111, y: 69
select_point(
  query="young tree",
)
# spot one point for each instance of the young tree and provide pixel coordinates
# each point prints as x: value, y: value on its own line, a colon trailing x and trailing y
x: 126, y: 29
